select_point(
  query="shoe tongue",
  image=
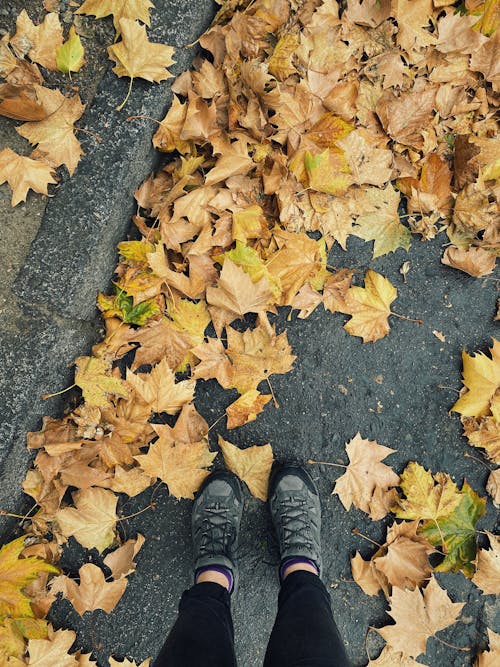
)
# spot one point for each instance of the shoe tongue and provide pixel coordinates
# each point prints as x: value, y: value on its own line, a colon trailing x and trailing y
x: 291, y: 483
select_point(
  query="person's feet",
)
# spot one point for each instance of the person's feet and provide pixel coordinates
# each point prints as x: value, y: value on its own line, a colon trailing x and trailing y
x: 296, y: 513
x: 215, y: 524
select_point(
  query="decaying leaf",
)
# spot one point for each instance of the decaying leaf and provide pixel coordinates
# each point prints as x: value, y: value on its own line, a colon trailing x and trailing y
x: 487, y: 575
x: 127, y: 9
x: 23, y: 174
x: 93, y: 377
x: 93, y: 591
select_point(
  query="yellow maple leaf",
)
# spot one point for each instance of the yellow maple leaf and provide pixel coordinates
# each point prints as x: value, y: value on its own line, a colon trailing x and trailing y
x: 23, y: 174
x: 328, y: 172
x: 92, y: 592
x: 481, y: 376
x: 246, y: 408
x: 120, y: 9
x: 92, y: 376
x: 252, y: 465
x: 369, y: 307
x: 15, y: 575
x: 53, y: 650
x: 137, y: 57
x: 159, y: 389
x: 92, y: 521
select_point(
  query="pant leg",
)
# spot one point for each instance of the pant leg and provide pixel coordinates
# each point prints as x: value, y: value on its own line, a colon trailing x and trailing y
x: 304, y: 633
x: 203, y: 634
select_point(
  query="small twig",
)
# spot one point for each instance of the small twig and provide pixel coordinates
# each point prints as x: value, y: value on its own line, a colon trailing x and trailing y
x: 58, y: 393
x: 216, y: 421
x: 140, y: 117
x: 92, y: 134
x: 276, y: 404
x: 325, y: 463
x: 151, y: 506
x: 470, y: 456
x: 357, y: 532
x: 408, y: 319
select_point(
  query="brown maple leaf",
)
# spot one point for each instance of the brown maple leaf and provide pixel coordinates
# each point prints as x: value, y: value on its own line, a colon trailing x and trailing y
x: 93, y: 592
x: 477, y: 262
x: 23, y: 174
x: 137, y: 57
x: 53, y: 650
x: 55, y: 135
x: 252, y: 465
x: 160, y: 390
x: 39, y: 42
x: 490, y: 657
x: 246, y: 408
x: 418, y: 616
x: 121, y: 560
x: 127, y: 9
x: 364, y: 476
x: 487, y: 576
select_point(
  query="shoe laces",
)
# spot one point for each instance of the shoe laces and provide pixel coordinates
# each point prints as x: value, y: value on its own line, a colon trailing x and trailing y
x: 295, y: 521
x: 217, y: 529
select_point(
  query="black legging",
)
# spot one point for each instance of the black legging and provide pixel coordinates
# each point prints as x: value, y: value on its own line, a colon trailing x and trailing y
x: 304, y: 633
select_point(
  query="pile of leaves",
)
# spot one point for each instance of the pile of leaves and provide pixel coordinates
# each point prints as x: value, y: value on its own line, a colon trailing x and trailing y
x: 303, y: 124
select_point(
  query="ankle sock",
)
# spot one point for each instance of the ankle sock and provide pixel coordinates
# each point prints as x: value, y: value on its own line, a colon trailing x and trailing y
x: 296, y: 560
x: 221, y: 570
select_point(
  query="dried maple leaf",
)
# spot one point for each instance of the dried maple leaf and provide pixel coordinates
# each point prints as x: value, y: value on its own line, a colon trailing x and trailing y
x: 369, y: 307
x: 137, y: 57
x: 246, y: 408
x: 367, y: 163
x: 256, y: 354
x: 160, y: 390
x: 93, y: 592
x: 121, y: 560
x: 487, y: 575
x: 432, y: 191
x: 455, y: 533
x: 234, y: 160
x: 15, y: 574
x: 55, y: 135
x: 427, y: 496
x: 418, y: 616
x: 120, y: 9
x: 491, y: 657
x: 477, y: 262
x: 20, y: 103
x: 493, y: 487
x: 92, y: 521
x: 93, y: 378
x: 364, y: 475
x: 214, y: 362
x: 53, y: 650
x: 39, y: 42
x: 23, y: 174
x: 382, y: 223
x: 252, y: 465
x: 132, y: 481
x: 70, y: 56
x: 368, y: 578
x: 484, y: 432
x: 481, y: 376
x: 179, y: 462
x: 237, y: 294
x: 404, y: 117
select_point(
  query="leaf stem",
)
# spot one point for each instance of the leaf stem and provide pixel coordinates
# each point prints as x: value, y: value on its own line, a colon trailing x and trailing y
x: 276, y: 404
x: 120, y: 106
x: 404, y: 317
x: 15, y: 516
x: 458, y: 648
x: 470, y: 456
x: 216, y: 421
x: 92, y: 134
x: 143, y: 117
x: 151, y: 506
x: 325, y: 463
x: 58, y: 393
x: 357, y: 532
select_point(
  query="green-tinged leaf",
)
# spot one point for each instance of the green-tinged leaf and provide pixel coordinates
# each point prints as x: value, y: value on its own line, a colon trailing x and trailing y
x: 70, y: 56
x: 456, y: 533
x: 250, y: 261
x: 122, y: 306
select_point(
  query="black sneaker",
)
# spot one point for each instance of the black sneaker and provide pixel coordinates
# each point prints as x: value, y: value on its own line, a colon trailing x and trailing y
x: 215, y: 522
x: 296, y: 513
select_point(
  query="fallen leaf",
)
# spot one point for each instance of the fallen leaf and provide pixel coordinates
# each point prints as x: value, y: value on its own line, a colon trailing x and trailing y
x: 121, y: 560
x: 160, y: 390
x: 127, y: 9
x: 252, y: 465
x: 481, y: 377
x: 487, y: 575
x: 20, y: 103
x: 178, y: 462
x: 137, y: 57
x: 39, y: 42
x: 477, y: 262
x: 391, y: 658
x: 55, y: 135
x: 490, y: 658
x: 369, y: 307
x: 418, y: 616
x: 456, y: 533
x: 493, y: 487
x: 93, y: 592
x: 23, y: 174
x: 246, y: 408
x: 93, y: 519
x: 93, y: 377
x: 132, y: 481
x: 53, y: 650
x: 70, y: 56
x: 364, y: 475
